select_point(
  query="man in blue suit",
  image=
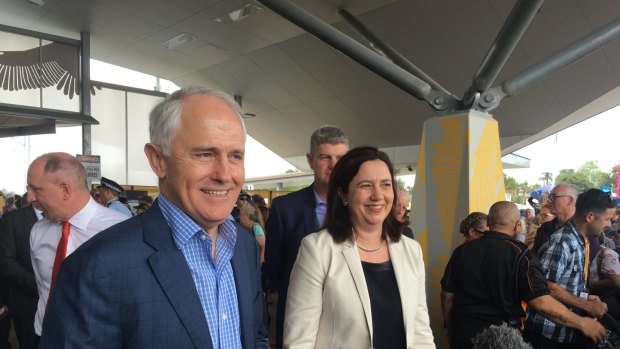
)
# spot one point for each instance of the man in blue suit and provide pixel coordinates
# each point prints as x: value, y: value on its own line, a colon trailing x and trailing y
x: 180, y: 275
x: 298, y: 214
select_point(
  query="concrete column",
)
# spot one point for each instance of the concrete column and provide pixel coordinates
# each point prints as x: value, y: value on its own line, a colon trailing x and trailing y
x: 459, y: 171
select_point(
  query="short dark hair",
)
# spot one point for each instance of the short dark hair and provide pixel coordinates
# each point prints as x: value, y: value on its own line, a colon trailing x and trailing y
x: 337, y: 220
x: 474, y: 220
x: 593, y: 200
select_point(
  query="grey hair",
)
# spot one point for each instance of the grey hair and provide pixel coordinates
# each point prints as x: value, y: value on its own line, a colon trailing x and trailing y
x: 571, y: 190
x: 327, y: 134
x: 67, y: 167
x: 164, y: 118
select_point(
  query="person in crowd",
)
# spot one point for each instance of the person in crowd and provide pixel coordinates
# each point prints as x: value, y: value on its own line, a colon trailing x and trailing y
x: 566, y: 264
x: 482, y: 287
x: 258, y: 201
x: 298, y: 214
x: 57, y: 185
x: 16, y: 268
x: 604, y: 279
x: 141, y: 208
x: 243, y: 199
x: 401, y: 205
x: 544, y: 216
x: 146, y: 200
x: 562, y: 199
x: 473, y: 226
x: 109, y: 192
x: 343, y: 289
x: 248, y: 216
x: 180, y: 275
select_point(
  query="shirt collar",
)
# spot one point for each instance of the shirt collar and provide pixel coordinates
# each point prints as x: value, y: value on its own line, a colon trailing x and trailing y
x: 80, y: 220
x: 317, y: 198
x: 184, y: 228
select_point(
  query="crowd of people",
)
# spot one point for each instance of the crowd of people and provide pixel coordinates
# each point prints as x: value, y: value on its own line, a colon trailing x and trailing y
x: 195, y: 267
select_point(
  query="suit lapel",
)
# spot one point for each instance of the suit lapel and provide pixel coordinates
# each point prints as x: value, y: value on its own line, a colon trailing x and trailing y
x: 310, y: 210
x: 242, y: 275
x: 355, y: 266
x: 171, y: 270
x: 397, y: 259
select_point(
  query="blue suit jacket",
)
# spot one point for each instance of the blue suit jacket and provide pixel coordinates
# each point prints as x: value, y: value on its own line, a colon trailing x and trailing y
x: 291, y: 218
x: 130, y: 287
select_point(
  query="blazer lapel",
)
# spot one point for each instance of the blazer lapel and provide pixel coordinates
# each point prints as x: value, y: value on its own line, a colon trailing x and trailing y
x: 398, y: 260
x: 242, y: 274
x: 310, y: 218
x: 355, y: 266
x: 171, y: 270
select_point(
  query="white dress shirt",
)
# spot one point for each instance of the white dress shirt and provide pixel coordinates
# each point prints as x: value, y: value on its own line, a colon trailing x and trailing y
x: 44, y: 239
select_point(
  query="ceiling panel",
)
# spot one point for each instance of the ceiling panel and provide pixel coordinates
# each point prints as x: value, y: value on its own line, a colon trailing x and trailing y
x: 294, y: 82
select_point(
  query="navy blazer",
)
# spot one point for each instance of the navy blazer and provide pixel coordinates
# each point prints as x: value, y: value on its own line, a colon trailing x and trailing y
x: 130, y: 287
x: 291, y: 218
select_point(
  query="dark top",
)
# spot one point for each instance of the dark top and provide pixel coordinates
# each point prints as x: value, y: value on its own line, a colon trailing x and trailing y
x: 388, y: 326
x: 545, y: 231
x: 481, y: 274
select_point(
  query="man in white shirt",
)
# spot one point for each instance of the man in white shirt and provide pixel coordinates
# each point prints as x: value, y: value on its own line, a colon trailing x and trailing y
x: 57, y: 184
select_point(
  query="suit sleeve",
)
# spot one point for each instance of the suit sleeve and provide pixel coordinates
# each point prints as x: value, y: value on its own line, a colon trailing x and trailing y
x: 83, y: 311
x: 274, y: 244
x: 262, y: 336
x: 9, y: 266
x: 423, y: 335
x: 304, y: 302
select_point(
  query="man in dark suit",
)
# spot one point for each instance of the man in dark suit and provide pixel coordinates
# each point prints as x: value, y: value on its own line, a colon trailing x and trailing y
x: 298, y: 214
x: 180, y: 275
x: 16, y: 268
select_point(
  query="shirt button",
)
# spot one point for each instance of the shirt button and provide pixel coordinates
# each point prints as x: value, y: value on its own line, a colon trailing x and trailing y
x: 224, y: 317
x: 203, y: 237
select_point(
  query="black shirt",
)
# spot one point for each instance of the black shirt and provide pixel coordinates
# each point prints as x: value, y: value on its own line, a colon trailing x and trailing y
x: 388, y: 326
x: 481, y: 275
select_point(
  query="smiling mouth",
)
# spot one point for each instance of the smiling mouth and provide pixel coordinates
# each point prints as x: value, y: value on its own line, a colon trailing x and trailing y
x: 215, y: 192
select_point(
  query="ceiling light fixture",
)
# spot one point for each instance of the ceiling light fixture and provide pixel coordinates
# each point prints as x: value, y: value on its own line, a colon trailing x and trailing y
x: 239, y: 14
x: 177, y: 41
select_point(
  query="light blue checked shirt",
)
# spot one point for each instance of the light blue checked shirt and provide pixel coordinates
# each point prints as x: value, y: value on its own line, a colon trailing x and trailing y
x: 563, y: 263
x: 214, y: 279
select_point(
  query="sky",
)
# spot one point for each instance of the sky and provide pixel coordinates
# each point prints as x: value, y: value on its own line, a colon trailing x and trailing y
x: 593, y: 139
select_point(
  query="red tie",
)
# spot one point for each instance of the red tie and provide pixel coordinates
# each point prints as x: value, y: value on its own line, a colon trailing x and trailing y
x: 61, y: 250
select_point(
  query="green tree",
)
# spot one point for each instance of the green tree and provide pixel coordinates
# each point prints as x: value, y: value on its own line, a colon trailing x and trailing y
x: 546, y: 178
x: 578, y: 179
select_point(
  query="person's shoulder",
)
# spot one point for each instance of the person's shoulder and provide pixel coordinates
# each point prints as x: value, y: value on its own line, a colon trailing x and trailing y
x: 321, y: 238
x: 106, y: 214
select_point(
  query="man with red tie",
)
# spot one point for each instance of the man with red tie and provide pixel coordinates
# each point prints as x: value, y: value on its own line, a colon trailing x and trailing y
x: 57, y: 184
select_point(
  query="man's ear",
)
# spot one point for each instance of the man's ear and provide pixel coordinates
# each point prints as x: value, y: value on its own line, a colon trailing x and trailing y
x: 66, y: 190
x: 156, y: 159
x: 309, y: 158
x: 590, y: 217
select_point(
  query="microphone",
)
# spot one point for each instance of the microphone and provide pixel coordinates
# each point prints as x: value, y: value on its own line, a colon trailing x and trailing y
x: 502, y: 336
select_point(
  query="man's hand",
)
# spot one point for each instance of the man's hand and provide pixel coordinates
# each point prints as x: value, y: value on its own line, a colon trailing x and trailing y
x: 596, y: 307
x: 592, y: 329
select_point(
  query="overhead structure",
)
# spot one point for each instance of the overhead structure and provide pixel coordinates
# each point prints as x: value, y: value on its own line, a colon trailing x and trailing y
x: 459, y: 168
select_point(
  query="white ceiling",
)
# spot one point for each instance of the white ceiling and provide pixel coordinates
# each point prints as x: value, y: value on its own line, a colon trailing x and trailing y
x: 296, y: 83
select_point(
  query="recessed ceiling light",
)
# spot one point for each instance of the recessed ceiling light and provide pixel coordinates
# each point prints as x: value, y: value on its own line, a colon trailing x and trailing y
x: 177, y: 41
x: 240, y: 13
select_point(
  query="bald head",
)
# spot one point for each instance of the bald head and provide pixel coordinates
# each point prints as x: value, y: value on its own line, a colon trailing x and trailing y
x: 57, y: 184
x: 503, y: 216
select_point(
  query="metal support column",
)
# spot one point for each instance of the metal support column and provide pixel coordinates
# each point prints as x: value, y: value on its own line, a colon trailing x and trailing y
x: 85, y: 92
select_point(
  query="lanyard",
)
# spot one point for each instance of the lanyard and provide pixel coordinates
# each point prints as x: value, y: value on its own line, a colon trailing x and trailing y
x: 587, y: 263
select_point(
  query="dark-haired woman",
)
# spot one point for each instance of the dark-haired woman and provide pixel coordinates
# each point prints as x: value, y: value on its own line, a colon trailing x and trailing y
x: 358, y: 284
x: 473, y: 226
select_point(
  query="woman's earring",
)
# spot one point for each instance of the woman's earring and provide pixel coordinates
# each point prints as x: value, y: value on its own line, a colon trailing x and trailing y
x: 345, y: 202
